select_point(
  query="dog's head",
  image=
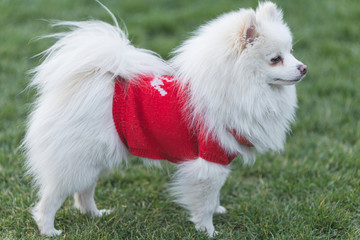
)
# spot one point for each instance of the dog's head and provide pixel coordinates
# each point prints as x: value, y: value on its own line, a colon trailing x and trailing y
x: 243, y: 45
x: 266, y: 43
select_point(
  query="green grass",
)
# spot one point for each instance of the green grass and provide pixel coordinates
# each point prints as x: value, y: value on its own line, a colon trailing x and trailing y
x: 309, y: 191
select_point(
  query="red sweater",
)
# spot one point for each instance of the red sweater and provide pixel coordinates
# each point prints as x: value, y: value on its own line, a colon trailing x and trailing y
x: 152, y: 120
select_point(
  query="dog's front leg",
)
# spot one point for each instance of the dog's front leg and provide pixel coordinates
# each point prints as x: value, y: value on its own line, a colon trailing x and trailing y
x: 197, y: 187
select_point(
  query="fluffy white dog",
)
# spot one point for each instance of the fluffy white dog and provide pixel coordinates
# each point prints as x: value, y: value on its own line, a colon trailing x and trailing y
x: 229, y: 90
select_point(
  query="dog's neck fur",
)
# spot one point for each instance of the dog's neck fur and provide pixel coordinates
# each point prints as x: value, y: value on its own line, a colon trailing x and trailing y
x: 259, y: 112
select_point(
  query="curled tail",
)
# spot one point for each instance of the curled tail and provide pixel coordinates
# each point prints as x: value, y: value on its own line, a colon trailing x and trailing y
x: 92, y: 49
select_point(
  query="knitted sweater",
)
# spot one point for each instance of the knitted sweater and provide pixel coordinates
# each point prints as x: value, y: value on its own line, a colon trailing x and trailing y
x: 152, y: 119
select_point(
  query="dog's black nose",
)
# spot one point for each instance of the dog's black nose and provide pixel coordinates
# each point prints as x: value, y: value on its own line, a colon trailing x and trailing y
x: 302, y: 68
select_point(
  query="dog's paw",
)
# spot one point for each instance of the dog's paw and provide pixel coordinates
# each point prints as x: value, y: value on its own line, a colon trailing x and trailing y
x: 209, y: 230
x: 101, y: 212
x: 51, y: 232
x: 45, y: 224
x: 220, y: 210
x: 105, y: 212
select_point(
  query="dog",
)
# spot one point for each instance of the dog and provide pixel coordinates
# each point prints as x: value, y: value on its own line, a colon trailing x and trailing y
x: 228, y: 90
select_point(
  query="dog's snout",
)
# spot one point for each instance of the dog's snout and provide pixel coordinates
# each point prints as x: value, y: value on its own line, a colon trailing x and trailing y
x: 302, y: 68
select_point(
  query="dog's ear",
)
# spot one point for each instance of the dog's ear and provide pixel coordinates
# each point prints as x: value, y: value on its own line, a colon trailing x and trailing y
x: 269, y: 11
x: 248, y: 30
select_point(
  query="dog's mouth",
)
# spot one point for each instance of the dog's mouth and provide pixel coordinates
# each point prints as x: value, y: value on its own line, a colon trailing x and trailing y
x: 287, y: 81
x: 280, y: 81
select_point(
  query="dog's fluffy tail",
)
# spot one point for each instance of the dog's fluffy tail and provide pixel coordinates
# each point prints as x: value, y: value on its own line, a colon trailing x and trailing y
x: 93, y: 48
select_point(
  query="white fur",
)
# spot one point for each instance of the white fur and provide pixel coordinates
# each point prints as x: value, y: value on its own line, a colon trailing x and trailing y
x: 236, y: 94
x: 197, y: 187
x: 71, y: 139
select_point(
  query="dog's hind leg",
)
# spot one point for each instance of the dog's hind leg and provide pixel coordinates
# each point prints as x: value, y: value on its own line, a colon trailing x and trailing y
x: 45, y: 210
x: 197, y: 187
x: 84, y: 201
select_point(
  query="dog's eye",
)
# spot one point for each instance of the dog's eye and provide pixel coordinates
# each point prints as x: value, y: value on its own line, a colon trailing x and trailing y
x: 276, y: 60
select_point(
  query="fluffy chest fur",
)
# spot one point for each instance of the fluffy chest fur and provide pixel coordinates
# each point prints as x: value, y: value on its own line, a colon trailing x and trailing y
x: 261, y: 113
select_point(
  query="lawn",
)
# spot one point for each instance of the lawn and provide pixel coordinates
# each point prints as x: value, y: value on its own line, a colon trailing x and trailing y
x: 311, y: 190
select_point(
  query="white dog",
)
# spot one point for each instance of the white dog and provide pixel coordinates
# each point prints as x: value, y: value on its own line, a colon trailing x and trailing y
x: 229, y: 90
